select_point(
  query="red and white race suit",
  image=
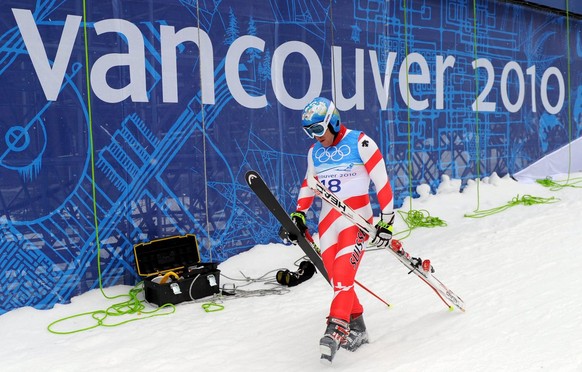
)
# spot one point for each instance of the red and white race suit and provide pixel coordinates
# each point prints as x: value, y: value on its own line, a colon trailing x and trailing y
x: 346, y: 168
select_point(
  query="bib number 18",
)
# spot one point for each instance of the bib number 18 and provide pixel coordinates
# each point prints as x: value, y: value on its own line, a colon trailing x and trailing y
x: 334, y: 184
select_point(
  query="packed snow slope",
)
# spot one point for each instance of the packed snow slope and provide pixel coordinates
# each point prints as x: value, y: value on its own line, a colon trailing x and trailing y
x: 519, y: 272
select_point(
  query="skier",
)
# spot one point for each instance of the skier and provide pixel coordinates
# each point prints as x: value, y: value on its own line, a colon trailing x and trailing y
x: 344, y: 161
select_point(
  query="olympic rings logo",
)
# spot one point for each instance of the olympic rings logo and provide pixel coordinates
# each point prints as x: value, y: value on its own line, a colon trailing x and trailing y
x: 325, y: 154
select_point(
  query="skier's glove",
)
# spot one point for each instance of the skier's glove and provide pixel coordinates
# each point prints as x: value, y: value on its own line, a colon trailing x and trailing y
x: 298, y: 218
x: 383, y: 230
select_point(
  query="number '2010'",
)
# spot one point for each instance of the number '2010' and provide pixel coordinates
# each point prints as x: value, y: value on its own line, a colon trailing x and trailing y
x: 481, y: 103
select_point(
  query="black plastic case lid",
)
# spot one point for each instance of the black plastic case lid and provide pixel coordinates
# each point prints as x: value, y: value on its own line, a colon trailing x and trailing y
x: 166, y: 254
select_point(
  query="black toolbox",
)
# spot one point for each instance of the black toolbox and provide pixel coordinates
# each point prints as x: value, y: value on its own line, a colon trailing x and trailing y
x: 172, y: 270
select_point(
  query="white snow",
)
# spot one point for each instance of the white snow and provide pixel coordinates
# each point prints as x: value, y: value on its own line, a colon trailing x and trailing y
x: 519, y: 272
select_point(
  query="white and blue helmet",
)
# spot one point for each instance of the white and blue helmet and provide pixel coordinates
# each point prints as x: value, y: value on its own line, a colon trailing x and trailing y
x: 318, y: 115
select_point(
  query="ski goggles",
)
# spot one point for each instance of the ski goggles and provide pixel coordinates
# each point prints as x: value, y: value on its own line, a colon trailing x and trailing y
x: 318, y: 129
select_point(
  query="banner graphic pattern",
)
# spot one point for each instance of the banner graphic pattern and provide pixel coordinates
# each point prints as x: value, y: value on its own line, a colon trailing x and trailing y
x: 140, y: 121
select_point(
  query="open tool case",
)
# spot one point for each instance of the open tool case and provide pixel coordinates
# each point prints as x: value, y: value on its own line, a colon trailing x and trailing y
x: 172, y: 270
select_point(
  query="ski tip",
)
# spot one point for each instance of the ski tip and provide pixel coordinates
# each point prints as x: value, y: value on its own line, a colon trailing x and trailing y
x: 452, y: 308
x: 250, y: 176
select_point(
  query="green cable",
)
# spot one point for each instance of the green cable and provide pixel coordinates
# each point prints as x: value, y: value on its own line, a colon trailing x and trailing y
x: 569, y: 88
x: 558, y: 185
x: 92, y: 150
x: 409, y: 135
x: 211, y: 307
x: 91, y: 144
x: 477, y: 134
x: 412, y: 218
x: 133, y: 305
x: 418, y: 218
x: 548, y: 181
x: 526, y: 200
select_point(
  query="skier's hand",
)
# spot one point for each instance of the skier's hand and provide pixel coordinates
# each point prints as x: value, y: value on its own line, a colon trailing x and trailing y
x: 298, y: 218
x: 299, y: 221
x: 383, y: 230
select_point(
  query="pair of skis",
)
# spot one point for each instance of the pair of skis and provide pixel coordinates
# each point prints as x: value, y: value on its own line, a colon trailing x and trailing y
x: 305, y: 242
x: 422, y: 269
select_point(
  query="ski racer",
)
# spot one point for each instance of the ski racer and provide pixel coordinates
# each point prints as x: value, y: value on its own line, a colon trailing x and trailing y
x: 345, y: 161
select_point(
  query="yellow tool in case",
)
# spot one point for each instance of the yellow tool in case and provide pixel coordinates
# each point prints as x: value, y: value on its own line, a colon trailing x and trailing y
x: 172, y: 270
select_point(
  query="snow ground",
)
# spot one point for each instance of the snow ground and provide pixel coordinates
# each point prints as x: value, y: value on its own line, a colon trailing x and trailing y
x: 518, y: 272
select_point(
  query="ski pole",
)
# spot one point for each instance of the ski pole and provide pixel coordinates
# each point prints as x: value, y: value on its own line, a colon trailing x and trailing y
x: 312, y: 242
x: 372, y: 293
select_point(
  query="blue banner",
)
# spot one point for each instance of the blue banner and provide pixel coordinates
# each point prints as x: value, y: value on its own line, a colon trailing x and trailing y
x: 140, y: 121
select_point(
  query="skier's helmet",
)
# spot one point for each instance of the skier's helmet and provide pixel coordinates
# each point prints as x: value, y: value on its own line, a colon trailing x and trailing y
x: 317, y: 115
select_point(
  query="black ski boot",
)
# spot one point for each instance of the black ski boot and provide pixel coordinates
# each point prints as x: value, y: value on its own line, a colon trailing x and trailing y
x: 335, y: 335
x: 358, y: 334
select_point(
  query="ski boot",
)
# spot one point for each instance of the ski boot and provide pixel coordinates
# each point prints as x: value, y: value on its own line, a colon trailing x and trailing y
x: 335, y: 335
x: 358, y: 334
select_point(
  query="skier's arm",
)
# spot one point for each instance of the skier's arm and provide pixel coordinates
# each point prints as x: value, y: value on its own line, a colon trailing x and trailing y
x: 306, y: 195
x: 376, y: 167
x: 304, y: 201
